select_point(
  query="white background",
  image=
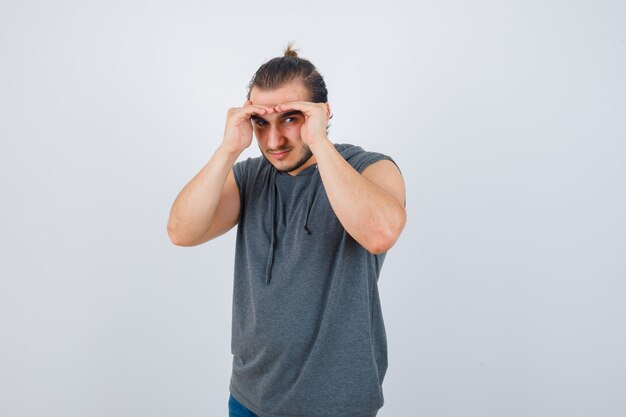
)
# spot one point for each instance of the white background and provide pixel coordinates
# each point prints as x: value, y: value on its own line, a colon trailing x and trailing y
x: 505, y: 295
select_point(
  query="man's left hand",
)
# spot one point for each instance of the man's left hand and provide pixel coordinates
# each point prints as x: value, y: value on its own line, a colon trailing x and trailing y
x: 316, y: 116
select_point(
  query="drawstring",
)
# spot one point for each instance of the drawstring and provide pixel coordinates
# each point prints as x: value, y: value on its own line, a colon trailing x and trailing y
x: 309, y: 204
x: 270, y: 260
x: 315, y: 177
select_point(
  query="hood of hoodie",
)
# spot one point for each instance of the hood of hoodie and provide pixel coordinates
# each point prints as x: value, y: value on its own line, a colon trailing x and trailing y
x: 348, y: 152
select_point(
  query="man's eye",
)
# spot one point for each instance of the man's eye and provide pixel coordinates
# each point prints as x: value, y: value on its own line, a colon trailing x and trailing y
x: 259, y: 122
x: 290, y: 118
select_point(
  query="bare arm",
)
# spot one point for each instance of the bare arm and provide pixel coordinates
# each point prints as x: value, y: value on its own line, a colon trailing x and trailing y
x: 208, y: 206
x: 370, y: 206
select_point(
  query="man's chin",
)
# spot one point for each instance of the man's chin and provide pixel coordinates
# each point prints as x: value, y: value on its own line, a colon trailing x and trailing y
x: 292, y: 167
x: 286, y: 168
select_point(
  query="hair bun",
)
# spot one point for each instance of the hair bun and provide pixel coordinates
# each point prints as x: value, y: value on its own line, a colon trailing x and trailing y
x: 289, y: 51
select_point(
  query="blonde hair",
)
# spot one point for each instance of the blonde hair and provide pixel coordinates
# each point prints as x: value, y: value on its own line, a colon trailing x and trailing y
x: 289, y: 51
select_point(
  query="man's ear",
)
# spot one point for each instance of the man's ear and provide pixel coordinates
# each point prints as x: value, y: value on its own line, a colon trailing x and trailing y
x: 327, y: 111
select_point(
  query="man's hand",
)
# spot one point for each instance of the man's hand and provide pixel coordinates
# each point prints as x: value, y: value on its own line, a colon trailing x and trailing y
x: 238, y: 131
x: 316, y: 117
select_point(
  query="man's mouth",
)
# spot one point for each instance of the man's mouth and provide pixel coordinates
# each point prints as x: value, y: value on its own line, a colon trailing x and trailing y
x: 280, y: 154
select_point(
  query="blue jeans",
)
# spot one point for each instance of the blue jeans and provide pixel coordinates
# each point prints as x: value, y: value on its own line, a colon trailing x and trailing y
x: 236, y: 409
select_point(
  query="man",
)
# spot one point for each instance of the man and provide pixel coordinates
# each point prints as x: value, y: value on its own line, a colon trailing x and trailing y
x: 315, y: 220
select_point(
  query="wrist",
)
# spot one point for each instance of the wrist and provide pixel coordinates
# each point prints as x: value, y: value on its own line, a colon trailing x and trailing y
x: 229, y: 154
x: 319, y: 144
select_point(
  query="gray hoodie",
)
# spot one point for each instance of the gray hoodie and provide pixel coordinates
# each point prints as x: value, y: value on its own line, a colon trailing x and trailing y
x: 308, y: 338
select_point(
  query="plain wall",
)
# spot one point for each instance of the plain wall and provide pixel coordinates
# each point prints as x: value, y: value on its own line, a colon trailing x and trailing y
x: 506, y: 293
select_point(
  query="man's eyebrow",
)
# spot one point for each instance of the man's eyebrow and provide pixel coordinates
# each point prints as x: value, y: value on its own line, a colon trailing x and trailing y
x: 285, y: 114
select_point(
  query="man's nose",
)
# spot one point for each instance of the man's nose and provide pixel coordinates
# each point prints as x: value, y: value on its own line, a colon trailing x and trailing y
x: 275, y: 139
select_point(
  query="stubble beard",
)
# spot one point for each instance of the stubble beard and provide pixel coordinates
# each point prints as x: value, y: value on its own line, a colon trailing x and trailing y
x: 306, y: 155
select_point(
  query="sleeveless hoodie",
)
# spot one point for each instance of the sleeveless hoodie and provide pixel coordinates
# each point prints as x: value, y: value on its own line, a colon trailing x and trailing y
x: 308, y: 338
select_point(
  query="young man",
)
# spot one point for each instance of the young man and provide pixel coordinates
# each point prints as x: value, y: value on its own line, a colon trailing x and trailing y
x: 315, y: 220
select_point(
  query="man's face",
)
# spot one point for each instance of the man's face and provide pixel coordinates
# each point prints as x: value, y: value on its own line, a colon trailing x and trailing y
x: 278, y: 134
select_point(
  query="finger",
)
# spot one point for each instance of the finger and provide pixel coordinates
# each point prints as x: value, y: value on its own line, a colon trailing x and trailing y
x: 256, y: 109
x: 286, y: 106
x: 296, y: 105
x: 248, y: 103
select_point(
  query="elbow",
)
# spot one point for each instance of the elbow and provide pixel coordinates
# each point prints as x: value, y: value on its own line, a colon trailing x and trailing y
x: 181, y: 237
x: 380, y: 244
x: 174, y: 240
x: 179, y: 242
x: 384, y: 239
x: 175, y: 237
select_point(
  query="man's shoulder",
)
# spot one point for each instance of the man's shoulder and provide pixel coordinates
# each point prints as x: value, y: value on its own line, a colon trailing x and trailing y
x: 248, y: 170
x: 251, y: 164
x: 359, y: 158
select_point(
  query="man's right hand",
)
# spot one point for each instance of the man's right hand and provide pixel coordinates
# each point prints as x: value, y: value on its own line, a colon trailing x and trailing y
x: 238, y: 131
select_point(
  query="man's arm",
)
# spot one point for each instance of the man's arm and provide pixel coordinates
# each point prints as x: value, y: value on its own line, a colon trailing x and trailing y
x: 370, y: 206
x: 208, y: 206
